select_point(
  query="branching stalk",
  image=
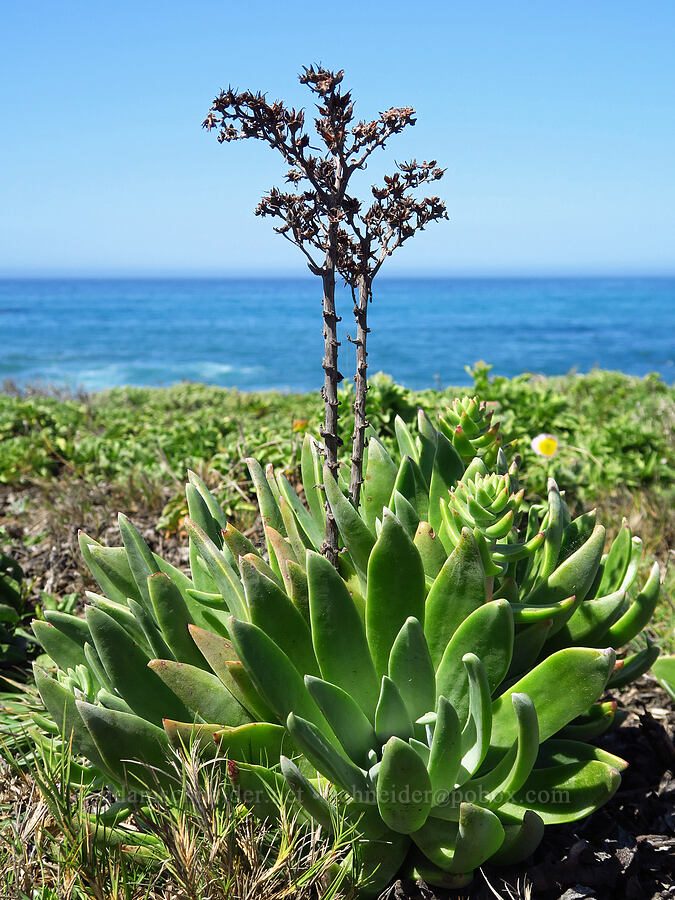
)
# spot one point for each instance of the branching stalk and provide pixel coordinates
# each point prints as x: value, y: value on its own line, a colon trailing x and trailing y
x: 361, y: 379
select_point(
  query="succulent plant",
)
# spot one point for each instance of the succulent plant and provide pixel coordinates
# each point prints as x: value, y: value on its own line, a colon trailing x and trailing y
x: 442, y: 680
x: 664, y: 669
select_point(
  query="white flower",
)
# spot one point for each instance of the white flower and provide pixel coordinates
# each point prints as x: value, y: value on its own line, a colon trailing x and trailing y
x: 545, y: 445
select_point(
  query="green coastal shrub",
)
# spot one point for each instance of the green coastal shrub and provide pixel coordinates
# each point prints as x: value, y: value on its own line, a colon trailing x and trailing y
x: 443, y: 682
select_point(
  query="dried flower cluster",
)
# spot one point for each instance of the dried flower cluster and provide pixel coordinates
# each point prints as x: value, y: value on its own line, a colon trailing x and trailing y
x: 330, y: 226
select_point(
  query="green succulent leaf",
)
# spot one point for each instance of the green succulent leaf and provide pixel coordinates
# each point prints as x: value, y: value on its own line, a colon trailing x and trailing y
x: 561, y: 687
x: 396, y: 589
x: 127, y: 667
x: 325, y: 758
x: 275, y: 677
x: 459, y: 589
x: 201, y: 692
x: 411, y: 669
x: 378, y: 483
x: 403, y: 788
x: 338, y: 635
x: 345, y: 717
x: 487, y: 632
x: 134, y: 749
x: 575, y: 575
x: 391, y: 716
x: 274, y: 612
x: 565, y: 793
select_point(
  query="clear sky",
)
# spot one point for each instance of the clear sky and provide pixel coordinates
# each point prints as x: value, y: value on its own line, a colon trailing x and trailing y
x: 555, y: 120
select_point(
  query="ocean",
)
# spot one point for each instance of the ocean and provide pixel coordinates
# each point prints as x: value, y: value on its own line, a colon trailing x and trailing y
x: 260, y: 333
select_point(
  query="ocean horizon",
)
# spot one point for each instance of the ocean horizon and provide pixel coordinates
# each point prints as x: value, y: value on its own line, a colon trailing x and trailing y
x: 265, y: 332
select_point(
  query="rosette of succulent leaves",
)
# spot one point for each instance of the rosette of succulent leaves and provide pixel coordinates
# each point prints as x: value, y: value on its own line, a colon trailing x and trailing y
x: 436, y: 690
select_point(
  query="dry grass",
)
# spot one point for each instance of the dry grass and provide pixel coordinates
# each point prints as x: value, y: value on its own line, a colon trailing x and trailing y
x: 197, y: 845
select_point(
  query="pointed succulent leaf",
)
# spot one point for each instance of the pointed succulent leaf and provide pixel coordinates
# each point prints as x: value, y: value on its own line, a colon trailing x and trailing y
x: 406, y: 513
x: 411, y: 669
x: 345, y: 717
x: 554, y: 532
x: 275, y: 677
x: 391, y: 716
x: 239, y: 684
x: 141, y: 561
x: 307, y: 795
x: 634, y: 665
x: 558, y: 613
x: 521, y: 839
x: 112, y: 701
x: 426, y: 442
x: 297, y: 588
x: 307, y: 528
x: 446, y: 751
x: 338, y: 635
x: 212, y: 504
x: 216, y: 650
x: 561, y: 687
x: 201, y: 692
x: 430, y: 548
x: 590, y: 622
x: 237, y: 543
x: 575, y: 575
x: 396, y: 589
x: 638, y: 613
x: 110, y: 586
x: 559, y: 751
x: 633, y: 563
x: 298, y: 540
x: 598, y: 719
x: 475, y: 738
x: 617, y: 561
x: 403, y: 788
x: 462, y: 847
x: 126, y: 666
x: 184, y: 735
x: 225, y: 578
x: 332, y: 764
x: 410, y: 483
x: 114, y: 564
x: 448, y: 469
x: 358, y: 538
x: 267, y: 503
x: 73, y: 627
x: 458, y: 590
x: 151, y: 633
x: 271, y: 609
x: 565, y: 793
x: 404, y: 439
x: 133, y: 749
x: 201, y: 515
x: 259, y: 743
x: 66, y: 653
x: 173, y: 618
x: 487, y: 632
x: 497, y: 785
x: 378, y: 483
x: 312, y: 479
x: 576, y: 534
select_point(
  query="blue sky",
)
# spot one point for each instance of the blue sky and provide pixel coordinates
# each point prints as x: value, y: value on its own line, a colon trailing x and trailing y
x: 556, y: 122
